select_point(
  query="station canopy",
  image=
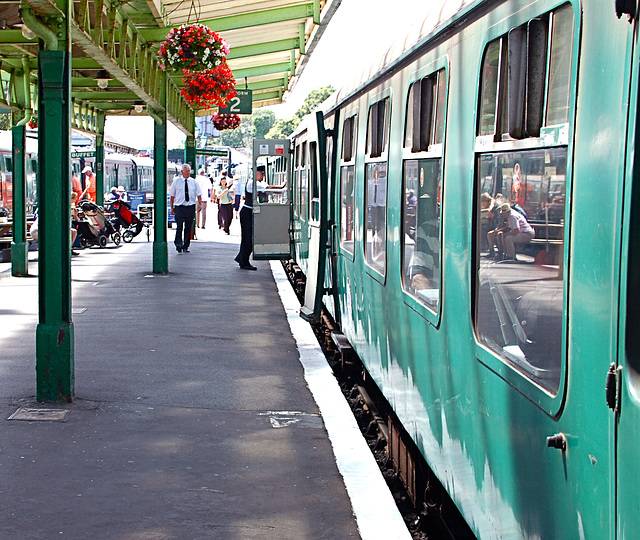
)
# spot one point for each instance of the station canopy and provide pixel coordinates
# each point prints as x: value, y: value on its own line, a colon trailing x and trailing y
x: 118, y: 40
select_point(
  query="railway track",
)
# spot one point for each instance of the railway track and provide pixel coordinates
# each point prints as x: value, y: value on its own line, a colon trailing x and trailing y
x: 423, y: 502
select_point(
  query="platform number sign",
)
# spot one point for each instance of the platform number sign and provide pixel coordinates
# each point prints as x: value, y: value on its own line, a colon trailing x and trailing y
x: 240, y: 104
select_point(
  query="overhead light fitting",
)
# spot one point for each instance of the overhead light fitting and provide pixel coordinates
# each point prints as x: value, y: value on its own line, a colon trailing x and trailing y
x: 27, y: 33
x: 103, y: 78
x: 138, y: 106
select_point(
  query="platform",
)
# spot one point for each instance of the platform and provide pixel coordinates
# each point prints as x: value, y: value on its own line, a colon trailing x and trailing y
x: 193, y: 416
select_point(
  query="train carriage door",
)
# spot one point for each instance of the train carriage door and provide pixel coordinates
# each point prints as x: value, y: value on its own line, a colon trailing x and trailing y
x: 271, y: 206
x: 318, y: 229
x: 623, y: 381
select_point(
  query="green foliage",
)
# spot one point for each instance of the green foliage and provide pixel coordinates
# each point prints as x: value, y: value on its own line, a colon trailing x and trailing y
x: 282, y: 128
x: 239, y: 137
x: 314, y: 99
x: 5, y: 121
x: 263, y: 120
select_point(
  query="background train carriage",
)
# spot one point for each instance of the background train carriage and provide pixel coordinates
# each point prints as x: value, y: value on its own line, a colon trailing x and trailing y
x: 6, y: 173
x: 489, y: 363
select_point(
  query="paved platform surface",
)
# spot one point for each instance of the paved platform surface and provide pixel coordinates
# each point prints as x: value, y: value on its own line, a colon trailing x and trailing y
x: 192, y: 418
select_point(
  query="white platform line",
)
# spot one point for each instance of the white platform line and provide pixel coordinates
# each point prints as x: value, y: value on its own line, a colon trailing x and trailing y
x: 373, y: 505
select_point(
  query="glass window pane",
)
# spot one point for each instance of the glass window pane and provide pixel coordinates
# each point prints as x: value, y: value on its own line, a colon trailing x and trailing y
x: 560, y: 66
x: 489, y: 95
x: 376, y: 215
x: 346, y: 212
x: 520, y: 254
x: 441, y: 95
x: 421, y: 234
x: 408, y: 128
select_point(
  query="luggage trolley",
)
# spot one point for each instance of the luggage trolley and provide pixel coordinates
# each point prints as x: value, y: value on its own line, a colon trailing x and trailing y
x: 145, y: 214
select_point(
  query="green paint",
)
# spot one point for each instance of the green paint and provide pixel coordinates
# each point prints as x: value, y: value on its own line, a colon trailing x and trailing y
x: 190, y: 154
x: 160, y: 253
x: 54, y: 334
x: 19, y: 246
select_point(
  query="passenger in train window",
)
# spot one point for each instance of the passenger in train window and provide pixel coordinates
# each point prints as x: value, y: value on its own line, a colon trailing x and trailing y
x: 519, y: 231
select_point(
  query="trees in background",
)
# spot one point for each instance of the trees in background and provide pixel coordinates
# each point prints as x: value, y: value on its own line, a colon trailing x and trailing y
x: 262, y: 124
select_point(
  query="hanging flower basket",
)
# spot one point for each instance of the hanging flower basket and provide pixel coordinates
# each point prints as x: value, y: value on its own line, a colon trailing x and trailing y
x: 209, y: 88
x: 194, y: 47
x: 225, y: 121
x: 33, y: 123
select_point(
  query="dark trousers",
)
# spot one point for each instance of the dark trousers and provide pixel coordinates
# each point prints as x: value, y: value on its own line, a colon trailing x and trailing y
x: 246, y: 237
x: 184, y: 220
x: 226, y: 211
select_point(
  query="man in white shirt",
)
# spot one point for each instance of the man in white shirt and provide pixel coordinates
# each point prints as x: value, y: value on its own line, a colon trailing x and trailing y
x: 201, y: 208
x: 183, y: 195
x: 519, y: 231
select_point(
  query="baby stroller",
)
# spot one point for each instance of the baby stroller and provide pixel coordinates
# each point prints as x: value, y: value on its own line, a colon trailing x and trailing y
x: 126, y: 219
x: 94, y: 228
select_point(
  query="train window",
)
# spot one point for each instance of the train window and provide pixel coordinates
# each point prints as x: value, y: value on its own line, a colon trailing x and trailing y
x: 314, y: 195
x: 377, y: 131
x: 519, y: 254
x: 515, y: 79
x: 560, y: 66
x: 347, y: 183
x: 425, y: 113
x: 348, y: 132
x: 376, y: 215
x: 489, y: 93
x: 347, y: 186
x: 421, y: 214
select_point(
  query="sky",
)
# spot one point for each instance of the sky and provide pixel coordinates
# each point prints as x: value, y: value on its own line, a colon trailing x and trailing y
x: 359, y: 32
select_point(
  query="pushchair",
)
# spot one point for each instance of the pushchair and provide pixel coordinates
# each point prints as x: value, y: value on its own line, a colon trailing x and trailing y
x: 126, y: 219
x: 94, y: 228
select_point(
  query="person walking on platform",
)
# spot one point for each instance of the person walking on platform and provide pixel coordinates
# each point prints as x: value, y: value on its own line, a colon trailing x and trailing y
x: 205, y: 188
x: 183, y: 195
x: 246, y: 217
x: 225, y: 200
x: 89, y: 184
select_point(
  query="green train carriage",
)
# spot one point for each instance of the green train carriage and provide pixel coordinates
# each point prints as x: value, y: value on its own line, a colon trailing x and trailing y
x: 496, y: 369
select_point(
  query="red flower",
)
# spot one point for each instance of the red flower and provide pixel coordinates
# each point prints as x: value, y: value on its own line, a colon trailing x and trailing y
x: 209, y: 87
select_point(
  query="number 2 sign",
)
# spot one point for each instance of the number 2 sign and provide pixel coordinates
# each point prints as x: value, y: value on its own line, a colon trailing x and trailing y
x: 240, y: 104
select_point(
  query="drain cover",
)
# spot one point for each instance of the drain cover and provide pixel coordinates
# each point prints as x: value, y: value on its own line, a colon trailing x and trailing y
x: 50, y: 415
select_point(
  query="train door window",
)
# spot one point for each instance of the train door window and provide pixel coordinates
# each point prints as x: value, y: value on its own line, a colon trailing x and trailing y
x: 422, y: 188
x: 347, y: 183
x: 528, y: 65
x: 296, y: 184
x: 520, y: 222
x: 314, y: 184
x: 376, y: 186
x: 303, y: 183
x: 560, y: 66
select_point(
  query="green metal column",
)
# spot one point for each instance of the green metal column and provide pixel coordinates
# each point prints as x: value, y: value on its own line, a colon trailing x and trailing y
x: 190, y: 153
x: 19, y: 246
x: 100, y: 160
x: 160, y: 253
x: 54, y: 333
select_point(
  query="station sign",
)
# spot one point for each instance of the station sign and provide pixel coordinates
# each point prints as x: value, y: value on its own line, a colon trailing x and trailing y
x: 84, y: 154
x: 212, y: 152
x: 240, y: 104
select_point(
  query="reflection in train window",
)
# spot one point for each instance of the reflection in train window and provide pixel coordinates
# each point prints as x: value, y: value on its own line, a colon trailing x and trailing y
x: 519, y: 253
x: 346, y: 215
x: 376, y: 215
x: 421, y: 230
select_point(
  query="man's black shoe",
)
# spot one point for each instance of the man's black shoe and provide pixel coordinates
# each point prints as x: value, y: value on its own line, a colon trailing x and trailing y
x: 248, y: 267
x: 179, y: 249
x: 186, y: 250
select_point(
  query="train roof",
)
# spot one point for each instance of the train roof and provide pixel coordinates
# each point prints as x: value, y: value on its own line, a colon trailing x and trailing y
x: 6, y: 142
x: 143, y: 161
x: 444, y: 13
